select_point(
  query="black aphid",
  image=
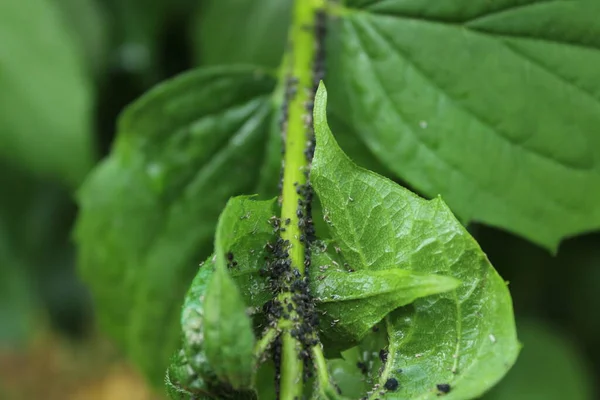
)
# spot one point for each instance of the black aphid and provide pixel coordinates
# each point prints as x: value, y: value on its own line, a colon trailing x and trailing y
x: 362, y: 366
x: 383, y: 355
x: 443, y: 387
x: 391, y: 385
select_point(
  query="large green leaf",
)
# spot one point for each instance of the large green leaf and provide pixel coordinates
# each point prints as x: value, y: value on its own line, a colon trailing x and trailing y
x: 549, y: 368
x: 493, y: 104
x: 149, y: 211
x: 241, y: 31
x: 46, y: 96
x: 465, y: 338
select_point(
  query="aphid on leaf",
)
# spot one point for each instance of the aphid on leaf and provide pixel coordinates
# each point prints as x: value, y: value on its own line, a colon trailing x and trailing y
x: 383, y: 355
x: 391, y: 384
x: 443, y: 387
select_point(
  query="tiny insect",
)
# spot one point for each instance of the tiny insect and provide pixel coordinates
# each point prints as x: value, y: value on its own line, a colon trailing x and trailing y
x: 383, y: 355
x: 391, y: 384
x: 443, y: 387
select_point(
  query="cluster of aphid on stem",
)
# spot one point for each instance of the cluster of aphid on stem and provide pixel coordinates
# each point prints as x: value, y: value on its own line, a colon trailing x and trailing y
x: 292, y: 312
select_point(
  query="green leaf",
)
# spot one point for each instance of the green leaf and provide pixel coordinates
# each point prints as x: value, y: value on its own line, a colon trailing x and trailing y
x: 215, y: 347
x: 228, y: 331
x: 180, y: 384
x: 466, y: 337
x: 87, y: 22
x: 192, y: 324
x: 493, y: 104
x: 241, y: 32
x: 46, y: 96
x: 356, y: 370
x: 240, y: 243
x: 17, y: 300
x: 351, y: 303
x: 149, y: 211
x: 549, y: 368
x: 227, y: 328
x: 245, y: 228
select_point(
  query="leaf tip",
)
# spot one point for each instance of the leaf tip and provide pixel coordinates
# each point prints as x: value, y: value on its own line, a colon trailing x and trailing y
x: 449, y: 283
x: 320, y: 108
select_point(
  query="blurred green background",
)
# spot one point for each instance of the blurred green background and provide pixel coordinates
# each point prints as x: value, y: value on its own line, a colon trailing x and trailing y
x: 67, y: 68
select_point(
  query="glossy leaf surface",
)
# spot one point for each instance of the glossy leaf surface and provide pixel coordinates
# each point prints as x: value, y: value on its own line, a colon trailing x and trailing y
x: 493, y: 105
x: 351, y: 303
x: 465, y: 338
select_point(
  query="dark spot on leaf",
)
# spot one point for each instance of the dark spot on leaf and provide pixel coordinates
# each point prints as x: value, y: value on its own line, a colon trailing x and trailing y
x: 383, y: 355
x: 363, y: 367
x: 443, y: 387
x: 391, y: 384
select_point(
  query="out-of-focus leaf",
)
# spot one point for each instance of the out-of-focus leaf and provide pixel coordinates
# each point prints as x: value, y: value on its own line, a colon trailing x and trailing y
x: 148, y: 213
x: 17, y: 302
x: 493, y: 104
x: 549, y: 368
x: 36, y: 218
x: 88, y: 22
x: 241, y: 31
x: 46, y: 95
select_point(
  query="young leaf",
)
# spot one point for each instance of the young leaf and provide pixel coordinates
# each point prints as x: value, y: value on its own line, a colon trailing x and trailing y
x: 244, y: 231
x: 44, y: 91
x: 192, y: 324
x: 496, y: 106
x: 228, y: 329
x: 351, y: 303
x: 464, y: 338
x: 149, y: 211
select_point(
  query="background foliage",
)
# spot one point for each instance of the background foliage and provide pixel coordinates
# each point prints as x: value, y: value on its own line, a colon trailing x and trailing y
x: 68, y: 68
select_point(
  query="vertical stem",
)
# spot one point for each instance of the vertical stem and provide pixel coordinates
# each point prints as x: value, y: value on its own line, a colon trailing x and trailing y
x: 302, y: 54
x: 299, y: 60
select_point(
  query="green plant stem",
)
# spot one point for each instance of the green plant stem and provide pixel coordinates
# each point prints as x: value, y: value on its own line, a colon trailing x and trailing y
x: 322, y: 373
x: 265, y: 341
x: 299, y: 60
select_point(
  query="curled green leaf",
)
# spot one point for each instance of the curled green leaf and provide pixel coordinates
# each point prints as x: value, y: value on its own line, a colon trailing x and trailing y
x: 229, y: 340
x: 182, y: 382
x: 458, y: 343
x: 228, y: 329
